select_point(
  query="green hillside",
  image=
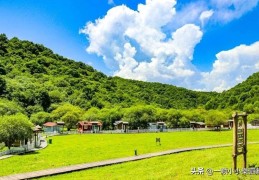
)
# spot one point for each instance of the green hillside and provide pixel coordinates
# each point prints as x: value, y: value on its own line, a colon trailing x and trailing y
x: 35, y: 76
x: 41, y: 84
x: 244, y: 96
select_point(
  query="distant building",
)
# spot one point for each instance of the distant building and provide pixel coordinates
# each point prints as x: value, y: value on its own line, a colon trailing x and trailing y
x: 51, y: 127
x: 61, y: 125
x: 157, y: 126
x: 227, y: 124
x: 89, y: 126
x: 194, y: 124
x: 121, y: 125
x: 255, y: 122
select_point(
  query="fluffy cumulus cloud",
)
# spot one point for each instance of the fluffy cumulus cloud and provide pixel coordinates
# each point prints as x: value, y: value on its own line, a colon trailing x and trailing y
x: 106, y: 35
x: 232, y: 67
x: 170, y: 59
x: 156, y: 43
x: 123, y: 33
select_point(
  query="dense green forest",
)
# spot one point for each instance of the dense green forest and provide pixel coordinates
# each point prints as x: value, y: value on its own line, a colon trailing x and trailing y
x: 48, y: 87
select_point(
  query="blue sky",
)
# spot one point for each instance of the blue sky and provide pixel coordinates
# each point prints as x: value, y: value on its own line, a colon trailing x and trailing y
x: 203, y: 45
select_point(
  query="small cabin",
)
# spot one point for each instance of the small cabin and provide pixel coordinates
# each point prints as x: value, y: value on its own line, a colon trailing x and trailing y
x: 89, y: 126
x: 194, y: 124
x: 61, y: 125
x: 121, y: 125
x: 157, y: 126
x: 227, y: 124
x: 255, y: 122
x: 51, y: 127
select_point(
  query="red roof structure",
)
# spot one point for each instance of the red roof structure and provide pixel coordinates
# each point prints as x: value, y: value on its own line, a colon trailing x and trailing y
x: 94, y: 126
x: 50, y: 124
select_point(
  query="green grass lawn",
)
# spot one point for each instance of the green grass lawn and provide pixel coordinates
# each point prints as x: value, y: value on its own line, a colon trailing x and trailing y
x: 75, y: 149
x: 175, y: 166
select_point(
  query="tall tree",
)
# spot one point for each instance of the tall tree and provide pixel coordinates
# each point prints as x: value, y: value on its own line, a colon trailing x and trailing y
x: 215, y: 118
x: 40, y: 118
x: 15, y: 127
x: 68, y: 113
x: 9, y: 107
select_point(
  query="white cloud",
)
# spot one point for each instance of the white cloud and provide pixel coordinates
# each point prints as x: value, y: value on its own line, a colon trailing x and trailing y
x: 106, y: 35
x: 171, y: 61
x: 220, y: 11
x: 232, y: 67
x: 226, y: 11
x: 126, y: 61
x: 188, y: 14
x: 156, y: 13
x: 156, y: 43
x: 205, y: 15
x: 123, y: 33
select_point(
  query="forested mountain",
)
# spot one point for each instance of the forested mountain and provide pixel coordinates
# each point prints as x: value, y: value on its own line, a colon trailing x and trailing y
x: 37, y: 78
x: 35, y: 81
x: 244, y: 96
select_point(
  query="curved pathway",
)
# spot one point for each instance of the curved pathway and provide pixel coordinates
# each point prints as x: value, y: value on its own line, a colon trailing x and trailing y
x: 66, y: 169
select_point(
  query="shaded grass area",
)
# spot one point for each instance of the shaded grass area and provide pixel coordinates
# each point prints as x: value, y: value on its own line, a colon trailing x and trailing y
x: 76, y: 149
x: 175, y: 166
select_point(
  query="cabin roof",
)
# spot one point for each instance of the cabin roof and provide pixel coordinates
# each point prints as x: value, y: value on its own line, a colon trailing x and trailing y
x: 50, y: 124
x: 120, y: 122
x: 90, y: 123
x: 60, y: 123
x: 199, y: 123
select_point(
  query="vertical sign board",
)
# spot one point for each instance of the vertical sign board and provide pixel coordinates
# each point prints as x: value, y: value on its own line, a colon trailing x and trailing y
x: 239, y: 138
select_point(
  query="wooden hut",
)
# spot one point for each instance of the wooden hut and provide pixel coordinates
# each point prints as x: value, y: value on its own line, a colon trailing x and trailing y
x: 255, y: 122
x: 195, y: 124
x: 89, y: 126
x: 51, y: 127
x: 157, y: 126
x: 121, y: 125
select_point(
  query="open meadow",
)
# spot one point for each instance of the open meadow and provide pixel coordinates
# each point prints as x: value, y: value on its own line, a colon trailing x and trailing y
x: 75, y: 149
x: 175, y: 166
